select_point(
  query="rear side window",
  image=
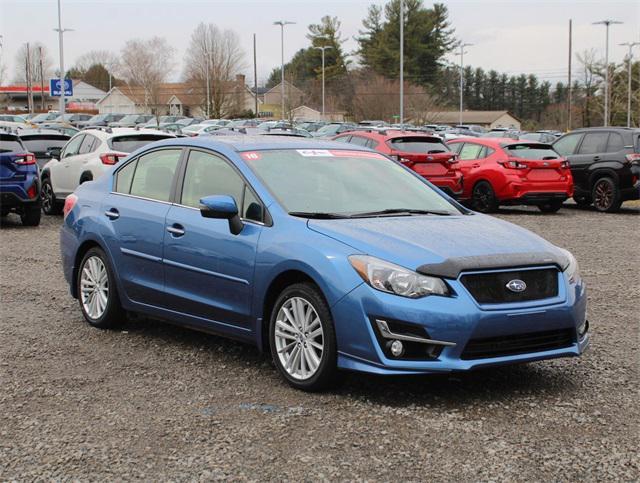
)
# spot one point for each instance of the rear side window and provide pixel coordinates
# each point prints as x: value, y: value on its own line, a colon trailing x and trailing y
x: 10, y: 144
x: 471, y: 151
x: 616, y: 143
x: 594, y: 142
x: 40, y: 144
x: 418, y: 145
x: 359, y: 141
x: 89, y: 144
x: 154, y: 173
x: 567, y: 144
x: 531, y: 151
x: 71, y: 149
x: 456, y: 147
x: 343, y: 139
x: 128, y: 144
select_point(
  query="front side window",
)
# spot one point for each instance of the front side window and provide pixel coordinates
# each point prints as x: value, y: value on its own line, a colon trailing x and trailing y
x: 124, y: 176
x: 567, y: 144
x: 208, y: 174
x: 320, y: 181
x: 154, y: 174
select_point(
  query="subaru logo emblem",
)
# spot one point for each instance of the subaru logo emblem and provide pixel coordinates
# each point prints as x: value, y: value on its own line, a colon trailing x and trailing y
x: 517, y: 286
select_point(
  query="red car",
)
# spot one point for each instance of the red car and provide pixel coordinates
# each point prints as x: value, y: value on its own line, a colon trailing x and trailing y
x: 508, y: 172
x: 427, y: 155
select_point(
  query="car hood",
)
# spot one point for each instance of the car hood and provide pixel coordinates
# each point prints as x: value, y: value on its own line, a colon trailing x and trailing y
x: 443, y: 245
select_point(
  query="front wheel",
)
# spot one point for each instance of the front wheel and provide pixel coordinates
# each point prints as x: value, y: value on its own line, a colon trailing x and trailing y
x: 483, y: 198
x: 97, y: 291
x: 302, y: 338
x: 550, y: 206
x: 606, y: 195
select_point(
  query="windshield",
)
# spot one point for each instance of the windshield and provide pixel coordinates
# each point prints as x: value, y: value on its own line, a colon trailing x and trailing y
x: 418, y: 145
x: 98, y: 117
x: 44, y: 117
x: 342, y: 182
x: 532, y: 151
x: 130, y: 118
x: 128, y: 144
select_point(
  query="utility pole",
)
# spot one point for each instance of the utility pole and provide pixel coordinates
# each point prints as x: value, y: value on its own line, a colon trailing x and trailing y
x: 61, y: 31
x: 606, y: 23
x: 29, y: 81
x: 461, y: 54
x: 208, y: 68
x: 322, y: 49
x: 569, y: 87
x: 631, y: 45
x: 255, y: 77
x: 282, y: 23
x: 41, y: 80
x: 401, y: 64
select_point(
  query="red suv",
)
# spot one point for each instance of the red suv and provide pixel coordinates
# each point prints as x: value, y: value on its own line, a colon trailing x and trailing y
x: 508, y: 172
x: 427, y: 155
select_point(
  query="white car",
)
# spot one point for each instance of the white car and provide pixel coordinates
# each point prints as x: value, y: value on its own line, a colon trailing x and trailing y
x: 85, y: 157
x: 198, y: 129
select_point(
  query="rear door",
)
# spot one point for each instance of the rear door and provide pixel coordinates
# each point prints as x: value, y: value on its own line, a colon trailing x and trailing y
x: 135, y: 212
x: 567, y: 147
x: 76, y: 165
x: 59, y: 171
x: 208, y: 270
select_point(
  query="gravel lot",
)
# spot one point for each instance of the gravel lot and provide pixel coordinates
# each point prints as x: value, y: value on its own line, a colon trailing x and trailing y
x: 159, y: 402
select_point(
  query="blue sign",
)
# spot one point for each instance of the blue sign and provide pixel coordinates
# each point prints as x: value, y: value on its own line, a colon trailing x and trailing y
x: 55, y: 87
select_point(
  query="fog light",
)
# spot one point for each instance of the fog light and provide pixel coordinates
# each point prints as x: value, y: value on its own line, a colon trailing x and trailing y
x: 397, y: 349
x: 582, y: 330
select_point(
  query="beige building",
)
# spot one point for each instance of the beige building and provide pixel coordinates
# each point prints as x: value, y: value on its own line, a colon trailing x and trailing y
x: 293, y: 96
x: 486, y: 119
x: 307, y: 113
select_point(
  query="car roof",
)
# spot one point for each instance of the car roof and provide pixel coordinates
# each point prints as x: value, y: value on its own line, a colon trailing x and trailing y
x: 249, y: 142
x: 107, y: 133
x: 389, y: 133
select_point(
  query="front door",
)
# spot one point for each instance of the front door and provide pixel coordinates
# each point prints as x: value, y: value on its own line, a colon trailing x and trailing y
x: 208, y: 270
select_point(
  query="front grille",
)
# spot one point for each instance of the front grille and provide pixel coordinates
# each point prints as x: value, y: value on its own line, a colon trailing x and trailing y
x: 510, y: 345
x: 491, y: 288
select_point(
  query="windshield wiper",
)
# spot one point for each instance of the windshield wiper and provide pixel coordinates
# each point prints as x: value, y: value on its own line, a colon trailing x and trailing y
x: 400, y: 211
x: 318, y: 215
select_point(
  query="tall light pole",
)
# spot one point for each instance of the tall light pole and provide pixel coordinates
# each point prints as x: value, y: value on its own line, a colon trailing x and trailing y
x: 461, y: 54
x: 606, y: 23
x: 282, y: 23
x: 208, y: 68
x: 61, y: 31
x: 323, y: 48
x: 401, y: 64
x: 631, y: 45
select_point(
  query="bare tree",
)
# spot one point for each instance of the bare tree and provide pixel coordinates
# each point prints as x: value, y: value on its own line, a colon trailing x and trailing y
x: 97, y: 57
x: 217, y: 53
x: 147, y: 64
x: 591, y: 81
x: 21, y: 63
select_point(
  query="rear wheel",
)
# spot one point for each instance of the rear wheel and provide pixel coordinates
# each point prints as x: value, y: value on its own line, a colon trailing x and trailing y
x: 302, y: 338
x: 97, y: 291
x: 606, y: 195
x: 50, y: 205
x: 550, y: 206
x: 30, y: 215
x: 483, y: 198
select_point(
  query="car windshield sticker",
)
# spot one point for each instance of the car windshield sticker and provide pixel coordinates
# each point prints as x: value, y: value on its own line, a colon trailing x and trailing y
x: 310, y: 153
x: 251, y: 156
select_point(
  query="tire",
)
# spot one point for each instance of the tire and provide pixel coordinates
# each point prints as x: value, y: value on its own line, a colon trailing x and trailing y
x: 85, y: 177
x: 606, y: 195
x: 97, y: 312
x: 30, y: 215
x: 50, y: 205
x: 483, y: 198
x: 550, y: 206
x: 582, y: 201
x: 296, y: 352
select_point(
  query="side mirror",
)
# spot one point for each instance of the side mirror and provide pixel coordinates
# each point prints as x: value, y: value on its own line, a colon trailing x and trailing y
x: 222, y: 207
x: 54, y: 152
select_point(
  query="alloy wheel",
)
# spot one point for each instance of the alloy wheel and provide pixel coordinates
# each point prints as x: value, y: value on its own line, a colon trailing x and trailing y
x: 603, y: 195
x: 299, y: 338
x: 94, y: 287
x: 47, y: 197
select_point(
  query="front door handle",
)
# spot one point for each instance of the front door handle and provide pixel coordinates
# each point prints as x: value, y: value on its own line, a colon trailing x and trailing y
x: 475, y: 165
x: 176, y: 230
x: 112, y: 214
x: 596, y: 158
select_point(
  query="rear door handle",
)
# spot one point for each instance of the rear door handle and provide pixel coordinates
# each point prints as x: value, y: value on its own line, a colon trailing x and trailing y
x: 475, y: 165
x: 596, y: 158
x: 176, y: 230
x: 112, y: 214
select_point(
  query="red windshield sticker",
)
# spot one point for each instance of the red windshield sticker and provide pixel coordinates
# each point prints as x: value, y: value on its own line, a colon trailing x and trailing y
x: 251, y: 156
x: 355, y: 154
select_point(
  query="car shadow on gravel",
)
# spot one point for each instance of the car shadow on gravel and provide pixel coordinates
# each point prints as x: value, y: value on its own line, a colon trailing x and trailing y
x: 12, y: 221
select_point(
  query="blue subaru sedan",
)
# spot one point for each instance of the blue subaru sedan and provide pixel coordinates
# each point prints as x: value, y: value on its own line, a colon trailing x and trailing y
x: 327, y: 257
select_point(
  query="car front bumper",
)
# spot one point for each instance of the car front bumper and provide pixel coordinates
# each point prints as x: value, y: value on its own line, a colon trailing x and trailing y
x: 459, y: 320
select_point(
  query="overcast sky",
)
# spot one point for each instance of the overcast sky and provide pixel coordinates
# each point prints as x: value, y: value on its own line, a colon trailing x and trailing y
x: 509, y: 36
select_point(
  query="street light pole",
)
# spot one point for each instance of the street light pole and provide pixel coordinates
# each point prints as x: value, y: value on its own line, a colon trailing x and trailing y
x: 401, y: 64
x: 461, y: 54
x: 61, y: 31
x: 206, y: 52
x: 282, y: 23
x: 631, y: 45
x: 322, y: 49
x: 606, y: 23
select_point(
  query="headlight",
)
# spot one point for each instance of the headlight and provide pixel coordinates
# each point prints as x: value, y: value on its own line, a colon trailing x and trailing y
x: 571, y: 269
x: 390, y: 278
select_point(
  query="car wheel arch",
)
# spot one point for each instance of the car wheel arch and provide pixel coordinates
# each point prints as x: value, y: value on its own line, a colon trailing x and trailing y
x: 84, y: 247
x: 602, y: 172
x: 86, y: 176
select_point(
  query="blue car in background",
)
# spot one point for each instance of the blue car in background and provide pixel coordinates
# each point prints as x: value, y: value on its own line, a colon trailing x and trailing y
x: 19, y: 181
x: 328, y: 257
